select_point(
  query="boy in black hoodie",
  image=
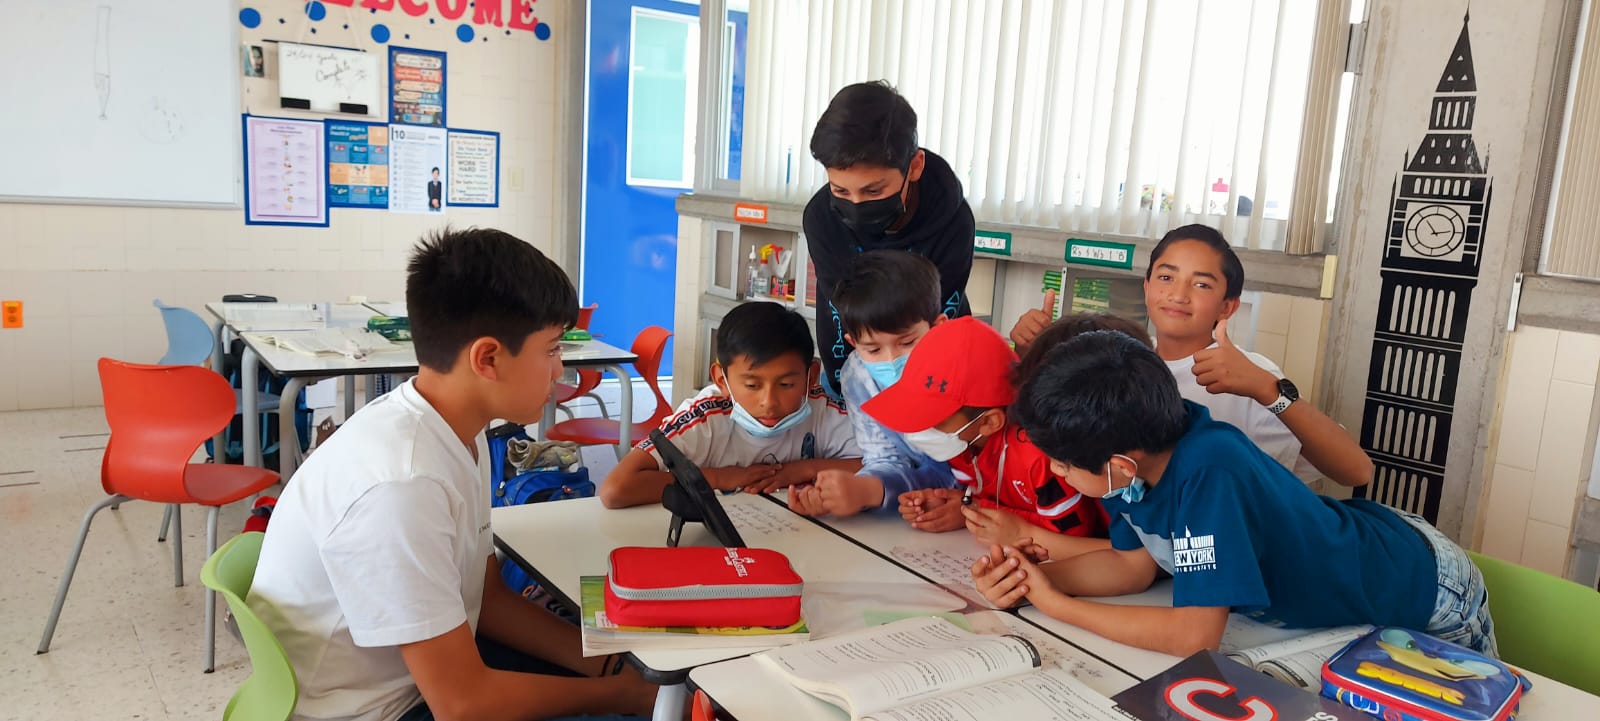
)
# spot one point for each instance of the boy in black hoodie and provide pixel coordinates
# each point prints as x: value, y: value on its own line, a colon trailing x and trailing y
x: 883, y: 193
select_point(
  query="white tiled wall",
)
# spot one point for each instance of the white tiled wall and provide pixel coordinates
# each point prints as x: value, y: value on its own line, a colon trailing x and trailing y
x: 1290, y: 331
x: 1542, y: 447
x: 87, y: 275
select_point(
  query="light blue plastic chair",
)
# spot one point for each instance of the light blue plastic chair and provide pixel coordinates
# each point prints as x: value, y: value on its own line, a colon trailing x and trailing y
x: 189, y: 338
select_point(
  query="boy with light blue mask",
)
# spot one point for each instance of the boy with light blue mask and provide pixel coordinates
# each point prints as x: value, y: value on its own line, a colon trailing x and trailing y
x: 1194, y: 498
x: 886, y: 302
x: 762, y: 424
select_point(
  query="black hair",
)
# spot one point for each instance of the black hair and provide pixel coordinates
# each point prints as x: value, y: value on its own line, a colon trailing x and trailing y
x: 886, y: 291
x: 761, y: 332
x: 435, y: 170
x: 1066, y: 328
x: 462, y: 285
x: 1097, y: 395
x: 1232, y: 270
x: 867, y: 124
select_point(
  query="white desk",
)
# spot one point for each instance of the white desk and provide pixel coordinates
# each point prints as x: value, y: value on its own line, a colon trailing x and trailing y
x: 559, y: 542
x: 746, y: 690
x: 246, y: 319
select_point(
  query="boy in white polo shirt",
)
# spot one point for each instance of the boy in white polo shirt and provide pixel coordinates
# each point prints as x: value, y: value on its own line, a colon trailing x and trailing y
x: 378, y: 572
x: 762, y: 424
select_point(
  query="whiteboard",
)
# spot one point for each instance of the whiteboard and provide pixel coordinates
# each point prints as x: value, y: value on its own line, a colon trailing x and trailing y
x: 329, y: 76
x: 120, y: 102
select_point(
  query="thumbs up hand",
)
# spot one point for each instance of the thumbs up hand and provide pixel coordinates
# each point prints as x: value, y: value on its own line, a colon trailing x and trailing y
x: 1033, y: 322
x: 1226, y: 369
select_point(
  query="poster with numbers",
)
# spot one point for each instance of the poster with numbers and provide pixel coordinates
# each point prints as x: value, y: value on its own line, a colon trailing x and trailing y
x: 474, y: 169
x: 417, y: 169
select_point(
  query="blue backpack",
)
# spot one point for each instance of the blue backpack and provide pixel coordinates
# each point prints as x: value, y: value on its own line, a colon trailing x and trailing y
x: 512, y: 488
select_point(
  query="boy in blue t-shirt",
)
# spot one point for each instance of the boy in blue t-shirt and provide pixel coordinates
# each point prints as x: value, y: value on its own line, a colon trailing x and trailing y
x: 1193, y: 497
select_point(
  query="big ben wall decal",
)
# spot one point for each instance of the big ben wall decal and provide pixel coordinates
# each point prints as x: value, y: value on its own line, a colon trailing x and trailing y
x: 1430, y: 265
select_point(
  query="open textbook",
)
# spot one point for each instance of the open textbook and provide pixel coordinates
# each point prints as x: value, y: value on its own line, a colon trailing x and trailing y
x: 1296, y: 661
x: 354, y: 343
x: 928, y: 669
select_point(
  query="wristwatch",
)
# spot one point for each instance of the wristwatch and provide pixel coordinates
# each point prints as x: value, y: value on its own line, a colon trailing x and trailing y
x: 1287, y: 395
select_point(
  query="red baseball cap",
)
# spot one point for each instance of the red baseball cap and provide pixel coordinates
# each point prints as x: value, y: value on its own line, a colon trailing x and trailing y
x: 958, y: 363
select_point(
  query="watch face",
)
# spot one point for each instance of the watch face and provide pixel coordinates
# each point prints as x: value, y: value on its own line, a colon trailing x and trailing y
x: 1287, y: 390
x: 1435, y: 230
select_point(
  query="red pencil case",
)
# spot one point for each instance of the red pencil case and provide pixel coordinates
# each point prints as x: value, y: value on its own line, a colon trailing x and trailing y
x: 702, y: 586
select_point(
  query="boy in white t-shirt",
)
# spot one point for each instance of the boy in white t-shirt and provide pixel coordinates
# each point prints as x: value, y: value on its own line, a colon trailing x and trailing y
x: 762, y: 424
x: 378, y: 573
x: 1190, y: 290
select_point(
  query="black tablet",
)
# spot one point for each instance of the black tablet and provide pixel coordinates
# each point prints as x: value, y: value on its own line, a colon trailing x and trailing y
x: 690, y: 497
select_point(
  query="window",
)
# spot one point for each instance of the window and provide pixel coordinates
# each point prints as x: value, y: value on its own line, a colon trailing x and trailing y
x: 1120, y: 118
x: 1570, y: 248
x: 664, y: 48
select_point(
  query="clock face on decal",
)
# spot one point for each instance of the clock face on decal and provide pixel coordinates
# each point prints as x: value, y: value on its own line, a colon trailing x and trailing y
x: 1435, y: 230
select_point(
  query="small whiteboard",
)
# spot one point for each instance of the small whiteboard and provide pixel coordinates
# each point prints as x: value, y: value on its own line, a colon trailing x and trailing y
x: 326, y: 77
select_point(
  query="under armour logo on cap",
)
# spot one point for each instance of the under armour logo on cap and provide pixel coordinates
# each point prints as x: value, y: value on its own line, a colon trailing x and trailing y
x: 944, y: 384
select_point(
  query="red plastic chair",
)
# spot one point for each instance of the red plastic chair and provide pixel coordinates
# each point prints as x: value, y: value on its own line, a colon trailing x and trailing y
x: 703, y: 709
x: 649, y: 346
x: 158, y: 416
x: 588, y: 380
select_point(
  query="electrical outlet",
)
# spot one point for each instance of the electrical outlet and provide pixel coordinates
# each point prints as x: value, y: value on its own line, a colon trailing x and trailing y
x: 11, y: 314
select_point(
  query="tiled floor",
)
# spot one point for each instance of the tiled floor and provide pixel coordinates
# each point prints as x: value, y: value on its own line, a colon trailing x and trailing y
x: 129, y: 644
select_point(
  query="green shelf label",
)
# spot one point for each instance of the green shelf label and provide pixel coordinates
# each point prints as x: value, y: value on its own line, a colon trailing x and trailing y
x: 1103, y: 253
x: 992, y: 242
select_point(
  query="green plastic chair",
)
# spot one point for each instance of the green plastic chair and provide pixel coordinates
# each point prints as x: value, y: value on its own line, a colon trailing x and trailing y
x: 271, y: 691
x: 1544, y: 623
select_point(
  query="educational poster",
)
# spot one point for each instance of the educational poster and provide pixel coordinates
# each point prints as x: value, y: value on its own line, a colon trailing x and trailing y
x: 285, y: 179
x: 417, y: 174
x: 474, y: 169
x: 416, y: 87
x: 358, y: 165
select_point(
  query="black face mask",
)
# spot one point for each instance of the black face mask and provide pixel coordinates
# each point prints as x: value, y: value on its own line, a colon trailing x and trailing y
x: 871, y: 217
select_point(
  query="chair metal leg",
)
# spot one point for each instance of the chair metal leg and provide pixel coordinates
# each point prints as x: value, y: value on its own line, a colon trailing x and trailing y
x: 567, y: 411
x: 72, y: 566
x: 600, y: 402
x: 669, y: 702
x: 166, y: 521
x: 211, y: 596
x: 177, y: 546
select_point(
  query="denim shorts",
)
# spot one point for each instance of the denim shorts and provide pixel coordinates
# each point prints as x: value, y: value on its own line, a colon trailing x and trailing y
x: 1461, y: 607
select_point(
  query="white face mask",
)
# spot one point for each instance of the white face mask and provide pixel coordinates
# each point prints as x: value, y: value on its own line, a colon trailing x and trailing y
x: 939, y: 445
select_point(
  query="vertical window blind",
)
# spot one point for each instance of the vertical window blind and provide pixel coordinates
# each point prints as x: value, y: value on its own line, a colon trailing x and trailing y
x: 1117, y: 117
x: 1570, y: 245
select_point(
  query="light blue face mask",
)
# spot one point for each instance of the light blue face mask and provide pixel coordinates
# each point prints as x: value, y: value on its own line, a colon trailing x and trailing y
x: 744, y: 420
x: 886, y: 373
x: 1131, y: 493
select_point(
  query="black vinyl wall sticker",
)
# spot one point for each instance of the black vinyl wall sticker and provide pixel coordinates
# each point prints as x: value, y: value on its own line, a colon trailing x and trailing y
x: 1431, y: 257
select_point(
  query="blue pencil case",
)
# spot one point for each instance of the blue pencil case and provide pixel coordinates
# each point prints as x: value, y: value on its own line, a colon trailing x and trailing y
x: 1400, y: 675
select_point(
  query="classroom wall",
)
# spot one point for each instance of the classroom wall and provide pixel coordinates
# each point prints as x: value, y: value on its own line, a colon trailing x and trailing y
x: 87, y: 275
x: 1541, y: 446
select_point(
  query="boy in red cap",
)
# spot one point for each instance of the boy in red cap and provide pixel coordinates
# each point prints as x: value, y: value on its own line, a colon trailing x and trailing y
x: 950, y: 403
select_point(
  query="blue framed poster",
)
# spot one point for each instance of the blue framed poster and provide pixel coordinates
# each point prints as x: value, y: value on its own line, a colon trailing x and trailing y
x: 416, y: 87
x: 284, y: 181
x: 358, y: 164
x: 474, y: 172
